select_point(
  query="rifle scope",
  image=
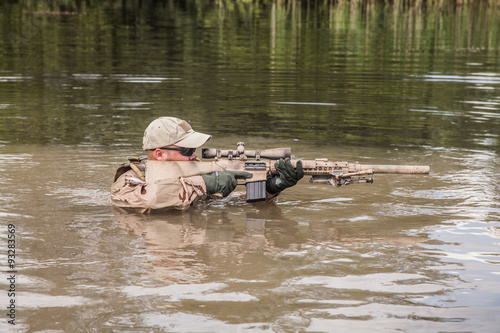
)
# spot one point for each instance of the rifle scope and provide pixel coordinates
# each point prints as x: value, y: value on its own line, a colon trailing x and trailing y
x: 272, y: 154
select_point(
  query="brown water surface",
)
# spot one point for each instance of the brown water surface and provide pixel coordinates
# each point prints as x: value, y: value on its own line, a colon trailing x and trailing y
x: 378, y: 85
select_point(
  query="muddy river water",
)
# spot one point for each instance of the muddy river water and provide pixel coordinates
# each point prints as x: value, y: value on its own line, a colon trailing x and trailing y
x: 374, y: 84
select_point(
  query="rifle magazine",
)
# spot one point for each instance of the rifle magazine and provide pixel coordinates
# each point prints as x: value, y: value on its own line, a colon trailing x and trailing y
x: 256, y: 191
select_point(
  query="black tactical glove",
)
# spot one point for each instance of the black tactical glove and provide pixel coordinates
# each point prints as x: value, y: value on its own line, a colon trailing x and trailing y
x: 223, y: 181
x: 288, y: 177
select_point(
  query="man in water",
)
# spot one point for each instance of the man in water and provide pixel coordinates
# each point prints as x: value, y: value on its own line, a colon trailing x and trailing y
x: 173, y: 139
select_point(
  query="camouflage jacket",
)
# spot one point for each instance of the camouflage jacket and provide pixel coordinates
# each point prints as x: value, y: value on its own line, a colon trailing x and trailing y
x: 129, y: 190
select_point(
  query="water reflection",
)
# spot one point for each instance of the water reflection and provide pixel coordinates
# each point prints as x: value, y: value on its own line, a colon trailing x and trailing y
x: 273, y: 268
x: 183, y: 245
x: 278, y: 66
x: 406, y: 251
x: 14, y: 78
x: 478, y: 78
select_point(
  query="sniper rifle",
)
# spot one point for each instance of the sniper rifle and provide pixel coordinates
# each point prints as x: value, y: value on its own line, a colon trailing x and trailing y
x: 260, y: 163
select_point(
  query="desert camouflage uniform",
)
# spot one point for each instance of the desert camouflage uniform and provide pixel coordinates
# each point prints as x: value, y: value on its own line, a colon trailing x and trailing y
x: 176, y: 192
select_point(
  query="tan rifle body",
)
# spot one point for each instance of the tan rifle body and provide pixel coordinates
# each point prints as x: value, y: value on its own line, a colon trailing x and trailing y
x: 336, y: 173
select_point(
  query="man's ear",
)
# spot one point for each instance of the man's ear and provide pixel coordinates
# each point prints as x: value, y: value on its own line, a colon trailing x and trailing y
x: 158, y: 154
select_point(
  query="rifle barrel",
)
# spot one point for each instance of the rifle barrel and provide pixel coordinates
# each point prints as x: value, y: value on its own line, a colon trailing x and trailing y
x: 405, y: 169
x: 325, y: 167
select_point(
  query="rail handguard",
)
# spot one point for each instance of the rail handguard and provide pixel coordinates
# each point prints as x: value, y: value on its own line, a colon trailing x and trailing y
x: 261, y: 164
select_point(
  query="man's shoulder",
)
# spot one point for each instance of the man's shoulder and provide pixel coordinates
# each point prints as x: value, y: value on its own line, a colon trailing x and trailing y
x: 137, y: 164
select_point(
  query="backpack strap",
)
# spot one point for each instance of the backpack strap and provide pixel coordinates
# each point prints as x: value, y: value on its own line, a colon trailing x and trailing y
x: 140, y: 173
x: 138, y: 164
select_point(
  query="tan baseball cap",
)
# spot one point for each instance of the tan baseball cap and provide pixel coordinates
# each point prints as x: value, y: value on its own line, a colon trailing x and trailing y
x: 166, y: 131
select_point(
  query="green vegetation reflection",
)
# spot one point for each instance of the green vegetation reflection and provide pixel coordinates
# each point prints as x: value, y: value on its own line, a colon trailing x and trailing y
x: 356, y: 72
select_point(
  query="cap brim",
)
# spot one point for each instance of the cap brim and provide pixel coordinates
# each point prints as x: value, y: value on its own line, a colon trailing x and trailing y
x: 193, y: 140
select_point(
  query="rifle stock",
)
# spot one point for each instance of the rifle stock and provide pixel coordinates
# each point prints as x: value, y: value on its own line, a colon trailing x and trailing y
x: 261, y: 165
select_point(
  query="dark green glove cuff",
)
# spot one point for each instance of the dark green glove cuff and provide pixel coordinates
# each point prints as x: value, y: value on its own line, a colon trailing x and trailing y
x: 223, y: 181
x: 273, y: 185
x: 218, y: 182
x: 288, y: 176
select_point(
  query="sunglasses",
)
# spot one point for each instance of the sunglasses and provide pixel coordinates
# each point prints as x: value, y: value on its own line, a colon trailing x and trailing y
x: 183, y: 151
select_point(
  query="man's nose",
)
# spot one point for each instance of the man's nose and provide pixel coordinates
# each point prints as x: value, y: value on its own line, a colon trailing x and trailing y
x: 193, y: 157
